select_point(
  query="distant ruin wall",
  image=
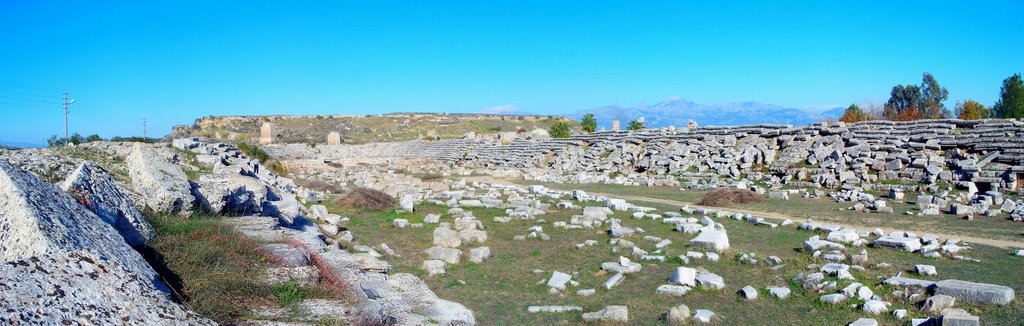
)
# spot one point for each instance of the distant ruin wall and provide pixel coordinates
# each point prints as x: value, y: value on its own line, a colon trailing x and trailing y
x: 987, y: 151
x: 313, y: 128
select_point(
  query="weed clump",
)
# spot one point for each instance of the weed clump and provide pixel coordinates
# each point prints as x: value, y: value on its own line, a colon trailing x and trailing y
x: 366, y: 198
x: 729, y: 196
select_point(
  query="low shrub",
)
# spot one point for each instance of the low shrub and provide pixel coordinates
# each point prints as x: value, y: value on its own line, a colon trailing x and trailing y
x: 729, y: 196
x: 366, y: 198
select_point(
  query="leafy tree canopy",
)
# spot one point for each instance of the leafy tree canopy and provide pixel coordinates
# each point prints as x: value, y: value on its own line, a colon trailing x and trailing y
x: 913, y: 102
x: 589, y: 123
x: 559, y: 129
x: 854, y: 114
x: 1011, y: 99
x: 971, y: 110
x: 635, y: 125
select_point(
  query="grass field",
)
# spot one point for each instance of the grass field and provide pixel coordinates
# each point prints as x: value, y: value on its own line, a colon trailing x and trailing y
x: 828, y: 210
x: 500, y: 289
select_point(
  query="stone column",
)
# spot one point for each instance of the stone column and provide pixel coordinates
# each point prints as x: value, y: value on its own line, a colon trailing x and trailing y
x: 266, y: 133
x: 333, y: 138
x: 616, y: 126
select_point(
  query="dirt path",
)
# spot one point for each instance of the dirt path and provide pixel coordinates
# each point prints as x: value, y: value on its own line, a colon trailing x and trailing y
x: 770, y: 215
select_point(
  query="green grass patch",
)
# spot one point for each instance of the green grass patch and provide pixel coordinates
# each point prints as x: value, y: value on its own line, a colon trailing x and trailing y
x: 288, y: 294
x: 208, y: 265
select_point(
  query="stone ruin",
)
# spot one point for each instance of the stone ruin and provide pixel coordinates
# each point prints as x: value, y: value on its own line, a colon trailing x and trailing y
x: 333, y: 138
x: 982, y: 158
x: 266, y: 133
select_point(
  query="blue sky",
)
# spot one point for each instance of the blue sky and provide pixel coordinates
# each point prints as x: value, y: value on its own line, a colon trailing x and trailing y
x: 173, y: 61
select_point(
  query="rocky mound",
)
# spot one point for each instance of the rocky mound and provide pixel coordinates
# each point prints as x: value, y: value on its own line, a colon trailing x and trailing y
x: 165, y: 185
x: 93, y: 187
x: 81, y: 287
x: 36, y: 218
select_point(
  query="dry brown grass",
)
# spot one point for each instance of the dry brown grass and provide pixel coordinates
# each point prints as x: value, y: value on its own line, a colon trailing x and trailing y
x: 366, y: 198
x: 729, y: 196
x: 431, y: 177
x: 320, y: 186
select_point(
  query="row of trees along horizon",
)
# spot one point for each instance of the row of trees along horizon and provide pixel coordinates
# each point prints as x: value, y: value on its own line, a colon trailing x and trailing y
x: 76, y: 139
x: 926, y: 101
x: 906, y: 103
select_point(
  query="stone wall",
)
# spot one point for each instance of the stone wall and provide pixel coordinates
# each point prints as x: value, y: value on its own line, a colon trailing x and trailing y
x: 986, y: 151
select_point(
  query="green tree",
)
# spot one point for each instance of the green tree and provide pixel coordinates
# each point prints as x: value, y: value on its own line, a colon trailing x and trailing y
x: 559, y: 129
x: 932, y: 96
x: 913, y: 102
x: 75, y: 139
x: 92, y: 138
x: 971, y: 110
x: 589, y: 123
x: 635, y: 125
x: 1011, y: 99
x: 854, y: 114
x: 53, y: 141
x: 904, y: 103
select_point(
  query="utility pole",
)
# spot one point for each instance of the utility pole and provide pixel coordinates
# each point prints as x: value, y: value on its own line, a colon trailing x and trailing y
x: 144, y: 128
x: 66, y: 138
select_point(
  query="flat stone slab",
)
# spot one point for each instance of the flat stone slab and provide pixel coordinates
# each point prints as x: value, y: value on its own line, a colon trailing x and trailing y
x: 904, y: 281
x: 558, y: 280
x: 615, y: 314
x: 536, y: 309
x: 716, y: 240
x: 289, y: 255
x: 864, y: 322
x: 906, y: 244
x: 975, y: 292
x: 673, y: 290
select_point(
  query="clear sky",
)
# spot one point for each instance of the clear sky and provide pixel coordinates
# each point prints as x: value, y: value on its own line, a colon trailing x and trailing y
x: 173, y: 61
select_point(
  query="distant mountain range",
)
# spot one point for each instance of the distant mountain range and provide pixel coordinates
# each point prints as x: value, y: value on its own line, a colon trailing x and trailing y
x: 14, y: 144
x: 677, y: 111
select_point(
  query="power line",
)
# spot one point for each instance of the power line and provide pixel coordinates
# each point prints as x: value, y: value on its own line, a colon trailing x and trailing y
x: 27, y: 99
x: 67, y: 137
x: 31, y: 94
x: 29, y: 106
x: 27, y: 87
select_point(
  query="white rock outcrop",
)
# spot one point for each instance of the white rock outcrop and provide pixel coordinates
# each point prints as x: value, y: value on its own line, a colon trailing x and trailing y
x: 81, y: 287
x: 93, y: 187
x: 231, y: 194
x: 36, y: 217
x: 164, y: 185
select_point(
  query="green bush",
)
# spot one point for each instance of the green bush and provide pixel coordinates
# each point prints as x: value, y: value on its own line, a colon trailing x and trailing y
x: 559, y: 129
